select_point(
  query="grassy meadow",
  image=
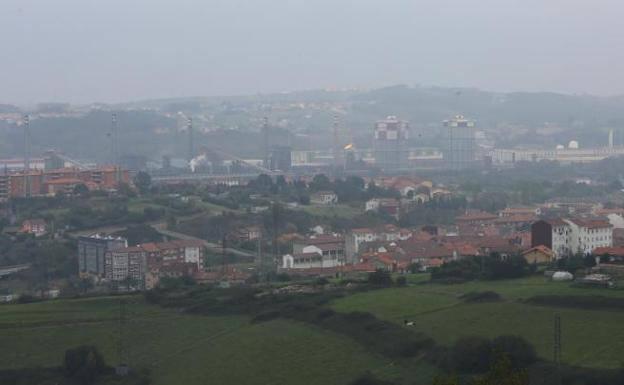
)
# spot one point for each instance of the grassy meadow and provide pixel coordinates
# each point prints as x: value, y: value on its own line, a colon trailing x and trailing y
x: 187, y: 349
x: 591, y: 338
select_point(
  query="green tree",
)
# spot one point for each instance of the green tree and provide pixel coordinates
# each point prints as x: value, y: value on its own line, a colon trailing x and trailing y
x: 171, y: 221
x: 502, y: 372
x: 519, y: 352
x: 125, y: 190
x: 83, y: 364
x: 320, y: 182
x: 471, y: 354
x: 380, y: 278
x: 143, y: 181
x: 81, y: 190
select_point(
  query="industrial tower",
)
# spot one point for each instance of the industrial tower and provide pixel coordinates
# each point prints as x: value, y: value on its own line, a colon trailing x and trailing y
x: 265, y: 143
x: 191, y: 145
x: 115, y: 147
x: 27, y: 181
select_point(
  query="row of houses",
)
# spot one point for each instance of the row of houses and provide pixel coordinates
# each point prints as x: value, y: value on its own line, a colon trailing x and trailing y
x: 388, y: 247
x: 518, y: 232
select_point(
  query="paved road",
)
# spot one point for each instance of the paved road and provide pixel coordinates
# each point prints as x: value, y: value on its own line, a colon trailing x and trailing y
x: 209, y: 245
x: 161, y: 227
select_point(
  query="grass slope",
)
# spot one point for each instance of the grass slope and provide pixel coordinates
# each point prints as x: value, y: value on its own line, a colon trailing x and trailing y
x: 590, y: 338
x: 188, y: 349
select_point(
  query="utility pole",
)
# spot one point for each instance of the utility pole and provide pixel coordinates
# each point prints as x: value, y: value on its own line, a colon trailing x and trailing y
x: 115, y: 147
x: 557, y: 347
x: 259, y: 263
x: 224, y: 255
x: 336, y: 146
x: 122, y: 354
x: 265, y: 142
x: 27, y: 181
x: 276, y: 215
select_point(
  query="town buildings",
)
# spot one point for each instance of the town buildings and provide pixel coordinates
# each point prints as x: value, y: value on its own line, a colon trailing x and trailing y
x: 51, y: 182
x: 144, y: 265
x: 92, y: 251
x: 388, y: 206
x: 357, y: 237
x: 37, y: 227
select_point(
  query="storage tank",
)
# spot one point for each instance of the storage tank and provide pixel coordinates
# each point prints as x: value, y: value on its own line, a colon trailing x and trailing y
x: 562, y: 276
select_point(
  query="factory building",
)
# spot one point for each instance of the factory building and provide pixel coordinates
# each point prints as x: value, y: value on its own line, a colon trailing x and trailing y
x: 460, y: 151
x: 390, y: 145
x: 571, y: 154
x: 281, y: 158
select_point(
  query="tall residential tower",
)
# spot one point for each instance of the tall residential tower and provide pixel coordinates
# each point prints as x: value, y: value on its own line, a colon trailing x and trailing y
x: 460, y: 151
x: 390, y: 144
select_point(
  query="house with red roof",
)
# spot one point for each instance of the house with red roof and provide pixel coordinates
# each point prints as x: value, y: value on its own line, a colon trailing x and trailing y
x: 539, y: 254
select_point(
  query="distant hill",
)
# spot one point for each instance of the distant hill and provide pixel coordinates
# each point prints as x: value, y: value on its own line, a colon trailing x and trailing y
x: 304, y: 119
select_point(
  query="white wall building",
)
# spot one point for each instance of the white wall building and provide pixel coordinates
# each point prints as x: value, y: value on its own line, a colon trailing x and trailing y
x: 587, y: 235
x: 324, y: 198
x: 566, y: 237
x: 312, y: 257
x: 357, y: 237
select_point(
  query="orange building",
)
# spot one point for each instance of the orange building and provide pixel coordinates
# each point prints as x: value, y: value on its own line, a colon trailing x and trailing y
x: 61, y: 180
x: 20, y: 183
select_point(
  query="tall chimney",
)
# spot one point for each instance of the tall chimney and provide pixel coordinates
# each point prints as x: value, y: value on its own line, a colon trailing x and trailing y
x: 611, y: 138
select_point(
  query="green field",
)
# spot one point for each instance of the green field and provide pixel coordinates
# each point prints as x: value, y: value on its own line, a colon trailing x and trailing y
x: 339, y: 210
x: 187, y: 349
x: 591, y: 338
x: 197, y: 349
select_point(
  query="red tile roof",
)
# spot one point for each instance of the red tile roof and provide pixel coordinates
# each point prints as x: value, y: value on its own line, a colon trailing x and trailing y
x: 614, y: 251
x: 540, y: 248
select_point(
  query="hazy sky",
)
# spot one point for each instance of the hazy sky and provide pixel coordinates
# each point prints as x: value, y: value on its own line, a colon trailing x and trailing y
x: 118, y: 50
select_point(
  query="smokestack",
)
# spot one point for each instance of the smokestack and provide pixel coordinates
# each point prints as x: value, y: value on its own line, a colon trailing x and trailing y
x: 611, y: 138
x: 336, y: 146
x: 265, y: 142
x: 191, y: 145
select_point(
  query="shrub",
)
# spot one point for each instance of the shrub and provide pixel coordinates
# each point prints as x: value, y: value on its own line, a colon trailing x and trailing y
x: 471, y: 354
x: 579, y: 301
x: 401, y: 281
x: 282, y: 277
x: 27, y: 298
x: 266, y: 316
x: 380, y: 278
x: 520, y: 353
x: 321, y: 281
x: 84, y: 364
x: 481, y: 296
